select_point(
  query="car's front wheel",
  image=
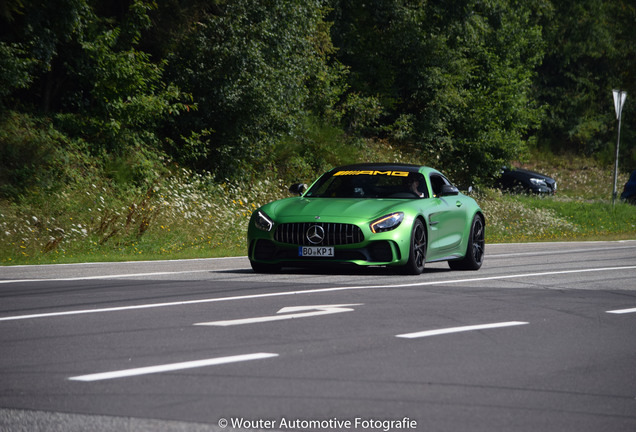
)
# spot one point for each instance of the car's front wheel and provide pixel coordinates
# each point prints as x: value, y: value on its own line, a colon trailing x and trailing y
x: 475, y: 249
x: 417, y: 251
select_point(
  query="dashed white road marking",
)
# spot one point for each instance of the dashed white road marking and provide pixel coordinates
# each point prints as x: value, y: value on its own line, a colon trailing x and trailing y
x: 171, y: 367
x: 622, y: 311
x: 438, y: 332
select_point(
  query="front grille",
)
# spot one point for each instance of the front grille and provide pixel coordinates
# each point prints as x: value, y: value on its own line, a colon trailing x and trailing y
x: 334, y: 234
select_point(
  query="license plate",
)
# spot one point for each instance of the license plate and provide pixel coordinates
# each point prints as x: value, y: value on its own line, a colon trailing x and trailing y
x: 315, y: 251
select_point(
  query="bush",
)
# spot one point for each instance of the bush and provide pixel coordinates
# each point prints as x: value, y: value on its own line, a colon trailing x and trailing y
x: 35, y: 156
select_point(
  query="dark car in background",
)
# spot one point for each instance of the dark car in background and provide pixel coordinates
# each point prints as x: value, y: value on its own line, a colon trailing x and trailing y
x: 629, y: 191
x: 521, y: 180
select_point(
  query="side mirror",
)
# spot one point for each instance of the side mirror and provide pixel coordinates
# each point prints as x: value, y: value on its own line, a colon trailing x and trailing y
x: 449, y: 190
x: 298, y: 188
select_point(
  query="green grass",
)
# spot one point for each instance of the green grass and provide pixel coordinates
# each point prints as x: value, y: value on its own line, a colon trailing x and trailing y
x: 188, y: 215
x: 532, y: 219
x: 185, y: 215
x: 581, y: 210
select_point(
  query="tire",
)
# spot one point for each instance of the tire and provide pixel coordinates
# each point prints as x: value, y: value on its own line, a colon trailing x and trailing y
x: 475, y: 249
x: 417, y: 251
x: 264, y: 268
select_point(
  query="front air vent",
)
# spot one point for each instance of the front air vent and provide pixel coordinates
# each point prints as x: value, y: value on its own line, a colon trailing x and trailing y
x: 332, y: 234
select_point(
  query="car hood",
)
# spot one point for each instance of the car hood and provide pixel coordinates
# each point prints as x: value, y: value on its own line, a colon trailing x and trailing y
x: 299, y: 208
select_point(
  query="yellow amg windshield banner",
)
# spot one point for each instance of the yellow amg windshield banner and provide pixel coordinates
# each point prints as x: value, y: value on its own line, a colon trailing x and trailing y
x: 371, y: 172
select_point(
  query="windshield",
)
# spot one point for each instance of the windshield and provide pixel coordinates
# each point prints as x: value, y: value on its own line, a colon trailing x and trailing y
x: 369, y: 184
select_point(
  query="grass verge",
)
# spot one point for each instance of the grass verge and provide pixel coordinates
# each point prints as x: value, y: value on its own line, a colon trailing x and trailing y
x: 188, y: 215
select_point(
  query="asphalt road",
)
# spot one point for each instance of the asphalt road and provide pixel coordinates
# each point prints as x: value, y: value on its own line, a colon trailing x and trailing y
x: 542, y: 338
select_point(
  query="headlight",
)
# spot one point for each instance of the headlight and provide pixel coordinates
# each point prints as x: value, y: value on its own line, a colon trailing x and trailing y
x: 387, y: 223
x: 538, y: 182
x: 262, y: 221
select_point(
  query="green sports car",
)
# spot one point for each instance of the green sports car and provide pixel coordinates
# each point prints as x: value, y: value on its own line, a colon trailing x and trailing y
x: 372, y: 215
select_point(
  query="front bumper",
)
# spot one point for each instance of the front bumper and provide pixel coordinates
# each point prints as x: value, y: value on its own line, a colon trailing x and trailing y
x: 378, y: 252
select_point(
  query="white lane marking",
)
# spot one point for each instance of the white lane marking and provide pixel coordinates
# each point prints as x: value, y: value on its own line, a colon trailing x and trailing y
x: 437, y: 332
x: 311, y: 291
x: 171, y: 367
x: 115, y: 276
x: 559, y: 252
x: 101, y: 263
x: 622, y: 311
x: 316, y: 311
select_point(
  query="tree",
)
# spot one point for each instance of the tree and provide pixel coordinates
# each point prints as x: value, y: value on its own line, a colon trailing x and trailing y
x: 255, y: 68
x: 455, y: 75
x: 590, y: 51
x: 76, y: 63
x: 30, y: 36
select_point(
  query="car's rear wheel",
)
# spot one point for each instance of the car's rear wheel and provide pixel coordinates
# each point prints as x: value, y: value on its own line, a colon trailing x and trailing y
x: 475, y: 249
x: 417, y: 251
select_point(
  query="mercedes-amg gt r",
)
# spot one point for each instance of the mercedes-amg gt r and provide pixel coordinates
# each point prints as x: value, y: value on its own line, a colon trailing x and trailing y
x: 370, y: 215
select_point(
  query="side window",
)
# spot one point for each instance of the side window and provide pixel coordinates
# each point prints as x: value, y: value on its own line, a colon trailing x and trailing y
x: 437, y: 181
x: 415, y: 184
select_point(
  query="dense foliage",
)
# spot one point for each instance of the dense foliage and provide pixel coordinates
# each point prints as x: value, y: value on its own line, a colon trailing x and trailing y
x: 453, y: 78
x: 590, y: 51
x: 235, y: 87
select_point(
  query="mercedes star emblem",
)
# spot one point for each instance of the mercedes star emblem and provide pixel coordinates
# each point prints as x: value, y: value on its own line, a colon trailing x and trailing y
x: 315, y: 234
